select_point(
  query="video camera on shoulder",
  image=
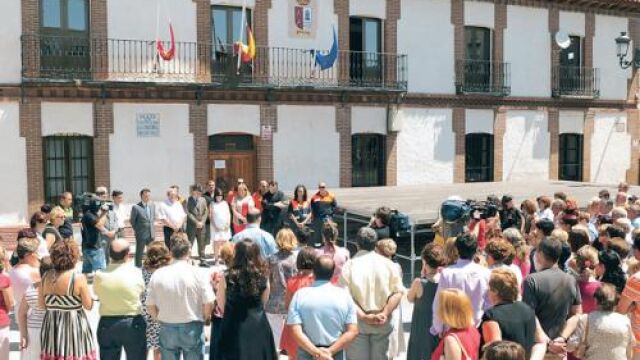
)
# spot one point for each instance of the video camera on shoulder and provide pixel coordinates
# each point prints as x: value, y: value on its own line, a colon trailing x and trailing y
x: 93, y: 203
x: 483, y: 209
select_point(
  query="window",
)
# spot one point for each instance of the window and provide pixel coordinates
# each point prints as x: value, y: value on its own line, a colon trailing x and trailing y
x: 571, y: 72
x: 367, y: 160
x: 477, y: 66
x: 227, y: 27
x: 65, y: 50
x: 65, y: 17
x: 479, y: 157
x: 68, y: 165
x: 365, y: 44
x: 570, y: 157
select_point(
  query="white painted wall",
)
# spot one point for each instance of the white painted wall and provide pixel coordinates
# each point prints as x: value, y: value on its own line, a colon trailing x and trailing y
x: 571, y: 122
x: 526, y: 146
x: 368, y: 119
x: 153, y: 162
x: 67, y: 118
x: 13, y: 161
x: 248, y: 3
x: 137, y: 20
x: 527, y: 47
x: 232, y: 118
x: 613, y: 80
x: 11, y: 30
x: 610, y: 144
x: 279, y: 17
x: 368, y: 8
x: 572, y: 22
x: 306, y: 146
x: 425, y: 34
x: 478, y: 13
x: 479, y: 121
x: 425, y: 146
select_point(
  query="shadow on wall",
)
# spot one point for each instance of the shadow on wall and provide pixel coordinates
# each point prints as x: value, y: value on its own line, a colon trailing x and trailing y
x: 444, y: 140
x: 532, y: 143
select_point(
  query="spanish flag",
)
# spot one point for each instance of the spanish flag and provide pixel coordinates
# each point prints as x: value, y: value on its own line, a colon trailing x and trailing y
x: 247, y: 52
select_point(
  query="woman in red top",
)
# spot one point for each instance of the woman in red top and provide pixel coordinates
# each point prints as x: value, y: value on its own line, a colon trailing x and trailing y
x: 6, y: 304
x: 462, y: 340
x: 304, y: 262
x: 240, y: 207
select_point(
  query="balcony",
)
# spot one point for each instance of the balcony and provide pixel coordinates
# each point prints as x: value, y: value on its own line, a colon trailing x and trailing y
x: 576, y: 82
x: 47, y: 58
x: 483, y: 77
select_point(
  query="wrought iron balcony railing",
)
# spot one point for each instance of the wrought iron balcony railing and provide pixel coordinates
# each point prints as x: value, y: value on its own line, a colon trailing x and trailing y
x: 483, y: 77
x: 51, y: 57
x: 576, y: 81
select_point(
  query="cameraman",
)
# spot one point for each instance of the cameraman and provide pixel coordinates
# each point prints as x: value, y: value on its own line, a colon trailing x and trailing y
x: 110, y: 223
x: 380, y: 222
x: 93, y: 228
x: 510, y: 216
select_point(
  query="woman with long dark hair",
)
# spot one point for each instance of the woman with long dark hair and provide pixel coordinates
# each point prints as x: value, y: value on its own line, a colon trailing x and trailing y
x: 299, y: 213
x: 242, y: 293
x: 330, y: 248
x: 609, y: 270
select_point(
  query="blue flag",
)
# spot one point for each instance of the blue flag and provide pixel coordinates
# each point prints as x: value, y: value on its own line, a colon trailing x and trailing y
x: 326, y: 61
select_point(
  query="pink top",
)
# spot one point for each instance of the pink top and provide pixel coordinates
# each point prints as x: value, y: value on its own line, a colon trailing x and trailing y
x: 525, y: 266
x: 340, y: 256
x: 587, y: 289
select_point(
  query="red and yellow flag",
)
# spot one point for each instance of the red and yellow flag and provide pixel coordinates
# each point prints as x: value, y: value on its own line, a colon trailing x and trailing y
x: 247, y: 52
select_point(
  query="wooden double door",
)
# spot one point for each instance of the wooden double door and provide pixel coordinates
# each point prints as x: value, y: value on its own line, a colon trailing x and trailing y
x: 232, y: 157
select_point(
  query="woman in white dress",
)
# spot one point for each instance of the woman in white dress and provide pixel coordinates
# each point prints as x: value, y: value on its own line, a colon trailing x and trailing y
x: 240, y: 206
x: 220, y: 222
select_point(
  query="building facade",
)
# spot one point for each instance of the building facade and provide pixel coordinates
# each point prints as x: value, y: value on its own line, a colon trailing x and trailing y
x: 422, y: 92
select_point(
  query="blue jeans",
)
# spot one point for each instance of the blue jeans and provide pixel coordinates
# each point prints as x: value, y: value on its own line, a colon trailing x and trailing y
x: 92, y: 260
x: 186, y: 339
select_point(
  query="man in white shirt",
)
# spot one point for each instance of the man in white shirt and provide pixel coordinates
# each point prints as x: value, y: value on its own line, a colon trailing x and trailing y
x: 120, y: 210
x: 172, y: 215
x: 180, y: 298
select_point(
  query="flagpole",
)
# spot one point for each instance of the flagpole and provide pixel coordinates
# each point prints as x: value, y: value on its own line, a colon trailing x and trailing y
x: 242, y: 25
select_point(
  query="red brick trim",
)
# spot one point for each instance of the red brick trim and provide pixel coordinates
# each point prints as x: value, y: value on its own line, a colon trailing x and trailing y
x: 459, y: 130
x: 341, y: 9
x: 554, y: 142
x: 589, y: 123
x: 99, y: 34
x: 268, y: 117
x: 633, y: 128
x: 261, y: 25
x: 343, y: 127
x: 31, y: 131
x: 634, y: 82
x: 499, y: 128
x: 30, y: 10
x: 103, y: 128
x: 198, y: 128
x: 589, y: 35
x: 391, y: 37
x: 457, y: 19
x: 391, y: 154
x: 500, y: 24
x: 203, y: 36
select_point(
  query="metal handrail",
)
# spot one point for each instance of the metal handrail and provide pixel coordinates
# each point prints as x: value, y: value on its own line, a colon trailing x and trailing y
x: 482, y: 76
x: 576, y: 81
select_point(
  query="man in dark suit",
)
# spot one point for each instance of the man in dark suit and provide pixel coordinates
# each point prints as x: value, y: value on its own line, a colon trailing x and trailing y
x: 143, y: 217
x: 197, y: 214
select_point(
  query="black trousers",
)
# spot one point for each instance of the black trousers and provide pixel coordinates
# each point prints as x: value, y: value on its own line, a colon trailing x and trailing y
x: 168, y: 232
x: 140, y: 244
x: 216, y: 332
x: 117, y: 332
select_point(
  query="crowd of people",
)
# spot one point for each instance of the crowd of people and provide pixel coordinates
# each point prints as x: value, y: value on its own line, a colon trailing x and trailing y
x: 545, y: 280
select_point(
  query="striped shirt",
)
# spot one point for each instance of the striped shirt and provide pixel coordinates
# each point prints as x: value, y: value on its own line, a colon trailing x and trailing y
x: 632, y: 293
x: 35, y: 314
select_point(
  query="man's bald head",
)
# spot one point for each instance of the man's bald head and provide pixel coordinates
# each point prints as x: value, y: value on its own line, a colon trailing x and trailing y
x: 119, y: 250
x: 323, y: 268
x: 253, y: 217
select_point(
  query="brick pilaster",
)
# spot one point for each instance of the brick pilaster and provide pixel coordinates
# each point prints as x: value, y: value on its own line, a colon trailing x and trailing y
x: 30, y: 10
x: 31, y: 131
x: 499, y: 128
x: 457, y: 19
x: 500, y: 24
x: 589, y: 123
x: 343, y: 127
x: 261, y: 25
x: 391, y: 154
x: 589, y: 34
x: 634, y: 83
x: 198, y: 128
x: 554, y: 27
x: 98, y: 28
x: 391, y: 40
x: 633, y: 128
x: 341, y: 9
x: 459, y: 130
x: 102, y: 129
x: 203, y: 36
x: 554, y: 142
x: 268, y: 117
